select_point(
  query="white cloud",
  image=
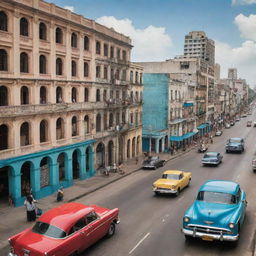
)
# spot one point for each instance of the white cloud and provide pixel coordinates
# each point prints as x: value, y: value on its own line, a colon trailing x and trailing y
x: 243, y: 58
x: 247, y: 26
x: 71, y: 8
x: 243, y: 2
x: 150, y: 44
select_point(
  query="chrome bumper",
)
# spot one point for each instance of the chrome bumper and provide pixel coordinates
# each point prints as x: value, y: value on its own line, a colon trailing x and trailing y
x: 165, y: 191
x: 220, y: 237
x: 12, y: 254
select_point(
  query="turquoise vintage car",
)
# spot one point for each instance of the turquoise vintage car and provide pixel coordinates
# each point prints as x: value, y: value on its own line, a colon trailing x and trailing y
x: 218, y: 212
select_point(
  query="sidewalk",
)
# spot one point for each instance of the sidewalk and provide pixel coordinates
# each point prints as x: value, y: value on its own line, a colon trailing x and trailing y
x: 13, y: 220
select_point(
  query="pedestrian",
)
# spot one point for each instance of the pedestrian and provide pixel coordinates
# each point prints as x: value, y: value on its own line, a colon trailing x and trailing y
x: 114, y: 168
x: 30, y: 208
x: 136, y: 160
x: 60, y: 194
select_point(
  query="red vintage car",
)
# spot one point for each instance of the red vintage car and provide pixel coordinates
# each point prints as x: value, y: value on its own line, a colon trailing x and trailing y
x: 65, y: 230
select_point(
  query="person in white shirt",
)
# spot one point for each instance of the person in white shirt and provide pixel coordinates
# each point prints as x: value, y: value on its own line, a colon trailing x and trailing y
x: 31, y: 208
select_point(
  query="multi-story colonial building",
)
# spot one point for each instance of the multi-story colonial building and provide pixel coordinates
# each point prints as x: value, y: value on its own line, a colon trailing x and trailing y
x: 70, y: 100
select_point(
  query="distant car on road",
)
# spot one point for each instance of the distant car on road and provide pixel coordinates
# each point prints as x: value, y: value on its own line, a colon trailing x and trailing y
x: 254, y: 164
x: 227, y: 126
x: 249, y: 123
x: 172, y: 182
x: 212, y: 158
x: 65, y: 230
x: 217, y: 213
x: 244, y: 115
x: 235, y: 145
x: 237, y: 119
x: 254, y: 124
x: 232, y: 122
x: 218, y: 133
x: 153, y: 162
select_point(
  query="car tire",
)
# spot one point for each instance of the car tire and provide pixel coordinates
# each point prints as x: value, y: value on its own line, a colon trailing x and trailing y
x: 157, y: 193
x: 188, y: 238
x: 188, y: 182
x: 227, y: 151
x: 111, y: 229
x: 178, y: 192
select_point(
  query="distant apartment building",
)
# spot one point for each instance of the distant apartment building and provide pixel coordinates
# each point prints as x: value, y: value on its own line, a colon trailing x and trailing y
x: 70, y: 100
x: 232, y: 73
x: 198, y: 45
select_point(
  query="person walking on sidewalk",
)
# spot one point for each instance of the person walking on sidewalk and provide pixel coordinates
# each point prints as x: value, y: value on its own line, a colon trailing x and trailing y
x: 30, y: 208
x: 60, y: 194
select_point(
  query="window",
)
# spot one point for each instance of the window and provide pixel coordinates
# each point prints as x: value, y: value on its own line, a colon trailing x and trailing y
x: 118, y: 52
x: 74, y: 95
x: 42, y: 64
x: 98, y: 123
x: 42, y: 31
x: 98, y: 95
x: 58, y: 35
x: 105, y: 95
x: 131, y: 76
x: 136, y: 77
x: 98, y: 71
x: 117, y: 76
x: 105, y: 50
x: 59, y: 129
x: 43, y: 131
x: 98, y: 47
x: 3, y: 96
x: 3, y: 137
x: 86, y: 94
x: 86, y: 43
x: 23, y: 27
x: 124, y: 75
x: 24, y: 62
x: 123, y: 117
x: 86, y: 69
x: 24, y: 95
x: 58, y: 95
x: 90, y: 217
x: 111, y: 120
x: 74, y: 126
x: 105, y: 72
x: 58, y: 66
x: 124, y: 55
x: 74, y: 40
x: 73, y: 68
x: 43, y: 97
x: 48, y: 230
x: 3, y: 60
x: 111, y: 52
x: 86, y: 124
x: 80, y: 224
x: 3, y: 21
x: 117, y: 118
x: 24, y: 134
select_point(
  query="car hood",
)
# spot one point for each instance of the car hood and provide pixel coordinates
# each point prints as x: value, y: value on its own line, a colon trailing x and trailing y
x: 165, y: 183
x: 35, y: 242
x: 203, y: 213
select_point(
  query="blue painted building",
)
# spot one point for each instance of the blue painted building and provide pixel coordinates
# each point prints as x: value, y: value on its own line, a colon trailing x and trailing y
x: 155, y: 131
x: 44, y: 172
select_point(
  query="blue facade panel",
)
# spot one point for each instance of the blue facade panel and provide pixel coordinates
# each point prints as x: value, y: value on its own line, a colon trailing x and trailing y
x: 145, y: 144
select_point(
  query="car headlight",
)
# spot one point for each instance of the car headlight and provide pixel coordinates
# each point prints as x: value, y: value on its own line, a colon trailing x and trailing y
x: 173, y: 187
x: 231, y: 225
x: 186, y: 219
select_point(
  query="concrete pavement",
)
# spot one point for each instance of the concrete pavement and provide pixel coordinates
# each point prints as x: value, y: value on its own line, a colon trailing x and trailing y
x: 13, y: 220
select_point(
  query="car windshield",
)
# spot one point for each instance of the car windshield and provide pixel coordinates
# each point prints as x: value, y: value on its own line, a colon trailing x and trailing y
x: 170, y: 176
x: 235, y: 140
x: 216, y: 197
x: 209, y: 155
x: 48, y: 230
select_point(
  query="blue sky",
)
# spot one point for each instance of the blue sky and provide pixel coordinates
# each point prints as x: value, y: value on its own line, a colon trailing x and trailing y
x: 176, y: 18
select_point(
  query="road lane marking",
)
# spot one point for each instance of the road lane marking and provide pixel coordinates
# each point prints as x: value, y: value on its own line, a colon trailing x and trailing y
x: 134, y: 248
x: 180, y: 198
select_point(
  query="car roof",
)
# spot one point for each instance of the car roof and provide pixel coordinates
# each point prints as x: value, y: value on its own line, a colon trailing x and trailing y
x: 173, y: 172
x: 212, y: 153
x: 65, y: 215
x: 223, y: 186
x: 235, y: 138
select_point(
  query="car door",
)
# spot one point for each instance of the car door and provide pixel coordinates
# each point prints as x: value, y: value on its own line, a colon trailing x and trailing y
x: 182, y: 180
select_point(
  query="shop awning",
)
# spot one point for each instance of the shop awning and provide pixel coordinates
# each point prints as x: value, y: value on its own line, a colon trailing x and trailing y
x: 202, y: 126
x: 176, y: 138
x: 188, y: 104
x: 188, y: 135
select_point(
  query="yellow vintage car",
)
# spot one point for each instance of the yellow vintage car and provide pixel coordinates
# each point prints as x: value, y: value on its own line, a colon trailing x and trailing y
x: 172, y: 182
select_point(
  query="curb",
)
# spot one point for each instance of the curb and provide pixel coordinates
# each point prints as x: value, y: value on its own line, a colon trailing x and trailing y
x: 122, y: 176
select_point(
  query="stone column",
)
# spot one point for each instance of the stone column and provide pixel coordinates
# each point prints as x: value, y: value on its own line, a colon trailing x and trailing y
x: 157, y: 146
x: 15, y: 183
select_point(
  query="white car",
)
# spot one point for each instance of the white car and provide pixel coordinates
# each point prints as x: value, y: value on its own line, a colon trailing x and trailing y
x: 218, y: 133
x: 227, y: 126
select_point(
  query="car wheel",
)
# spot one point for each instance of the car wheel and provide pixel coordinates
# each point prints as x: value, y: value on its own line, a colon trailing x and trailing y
x: 178, y: 192
x: 156, y: 193
x: 188, y: 238
x: 227, y: 151
x: 111, y: 229
x: 188, y: 182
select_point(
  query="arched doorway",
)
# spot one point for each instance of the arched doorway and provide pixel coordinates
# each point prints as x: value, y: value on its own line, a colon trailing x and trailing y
x: 25, y: 178
x: 100, y: 155
x: 75, y: 164
x: 87, y: 159
x: 110, y: 153
x: 45, y: 172
x: 133, y: 147
x: 4, y: 184
x: 128, y: 148
x: 61, y: 164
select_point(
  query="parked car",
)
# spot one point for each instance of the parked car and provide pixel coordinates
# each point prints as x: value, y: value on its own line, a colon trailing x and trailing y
x: 65, y: 230
x: 237, y: 119
x: 227, y: 126
x: 249, y: 123
x: 218, y: 133
x: 217, y: 213
x: 254, y: 164
x: 172, y: 182
x: 235, y: 145
x: 153, y: 162
x: 212, y: 158
x: 232, y: 122
x: 244, y: 115
x: 254, y: 124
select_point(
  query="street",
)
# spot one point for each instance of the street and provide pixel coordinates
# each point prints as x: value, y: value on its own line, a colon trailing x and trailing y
x: 151, y: 225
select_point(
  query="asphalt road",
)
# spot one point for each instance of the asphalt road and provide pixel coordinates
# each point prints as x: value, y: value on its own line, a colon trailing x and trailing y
x: 151, y: 225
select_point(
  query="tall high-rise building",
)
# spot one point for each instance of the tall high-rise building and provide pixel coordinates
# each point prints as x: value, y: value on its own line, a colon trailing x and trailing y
x: 198, y: 45
x: 232, y: 73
